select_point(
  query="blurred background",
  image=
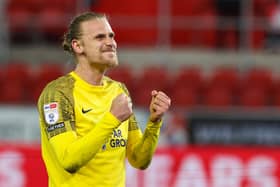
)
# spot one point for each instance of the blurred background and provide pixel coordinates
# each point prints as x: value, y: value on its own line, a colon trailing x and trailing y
x: 217, y: 59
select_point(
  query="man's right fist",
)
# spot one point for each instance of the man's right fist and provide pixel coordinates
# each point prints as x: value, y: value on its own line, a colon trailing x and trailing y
x: 121, y: 107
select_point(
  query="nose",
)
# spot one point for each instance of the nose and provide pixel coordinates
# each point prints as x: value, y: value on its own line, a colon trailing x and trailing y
x: 110, y: 42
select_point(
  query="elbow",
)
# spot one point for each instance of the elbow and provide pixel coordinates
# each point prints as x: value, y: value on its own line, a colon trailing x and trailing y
x: 140, y: 164
x: 144, y: 166
x: 70, y: 166
x: 71, y: 169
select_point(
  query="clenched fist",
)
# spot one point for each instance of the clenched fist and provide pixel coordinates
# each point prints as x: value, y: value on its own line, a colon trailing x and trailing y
x: 159, y: 105
x: 121, y: 107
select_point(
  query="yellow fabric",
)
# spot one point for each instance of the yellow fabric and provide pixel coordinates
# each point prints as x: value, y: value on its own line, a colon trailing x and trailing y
x: 83, y: 144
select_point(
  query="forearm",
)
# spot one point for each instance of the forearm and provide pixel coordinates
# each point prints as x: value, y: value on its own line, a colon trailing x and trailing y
x: 74, y: 152
x: 144, y: 146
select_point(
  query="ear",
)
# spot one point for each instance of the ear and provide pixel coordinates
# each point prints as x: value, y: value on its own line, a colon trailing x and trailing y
x: 76, y: 46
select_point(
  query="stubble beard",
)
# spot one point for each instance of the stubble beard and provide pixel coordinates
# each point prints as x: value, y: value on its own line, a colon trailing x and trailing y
x: 112, y: 61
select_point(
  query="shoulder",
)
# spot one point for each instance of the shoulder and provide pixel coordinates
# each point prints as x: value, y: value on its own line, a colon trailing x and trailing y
x: 116, y: 83
x: 55, y: 89
x: 62, y: 84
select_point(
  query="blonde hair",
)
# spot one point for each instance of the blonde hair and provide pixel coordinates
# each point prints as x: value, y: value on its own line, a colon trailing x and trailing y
x: 74, y: 30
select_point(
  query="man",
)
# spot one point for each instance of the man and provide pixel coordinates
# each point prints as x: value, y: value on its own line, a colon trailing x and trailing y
x: 87, y: 124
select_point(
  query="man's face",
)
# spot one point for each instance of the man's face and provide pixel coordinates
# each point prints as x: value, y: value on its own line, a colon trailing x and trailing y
x: 98, y: 43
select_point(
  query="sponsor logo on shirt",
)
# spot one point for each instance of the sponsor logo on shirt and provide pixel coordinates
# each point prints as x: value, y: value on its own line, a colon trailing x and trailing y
x: 55, y: 126
x: 84, y: 111
x: 51, y: 113
x: 117, y: 139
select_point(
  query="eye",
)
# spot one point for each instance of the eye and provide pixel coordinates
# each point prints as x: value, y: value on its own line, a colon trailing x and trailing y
x: 112, y: 35
x: 100, y: 36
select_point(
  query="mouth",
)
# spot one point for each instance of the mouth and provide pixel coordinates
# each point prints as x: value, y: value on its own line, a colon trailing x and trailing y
x: 109, y: 51
x: 112, y: 50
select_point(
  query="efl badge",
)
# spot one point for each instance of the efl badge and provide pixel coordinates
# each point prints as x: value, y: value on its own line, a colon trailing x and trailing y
x: 51, y: 113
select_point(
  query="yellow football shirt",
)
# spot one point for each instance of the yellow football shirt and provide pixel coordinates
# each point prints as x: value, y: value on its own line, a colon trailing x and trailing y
x: 83, y: 144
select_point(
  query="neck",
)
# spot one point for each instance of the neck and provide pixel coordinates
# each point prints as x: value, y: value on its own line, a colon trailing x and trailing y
x: 89, y: 73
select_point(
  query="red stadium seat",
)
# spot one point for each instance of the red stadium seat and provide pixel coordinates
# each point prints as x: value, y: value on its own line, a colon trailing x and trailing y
x: 253, y: 97
x: 193, y: 36
x: 125, y: 75
x: 188, y: 77
x: 230, y: 38
x: 52, y: 23
x: 1, y: 81
x: 183, y: 97
x: 151, y: 78
x: 190, y: 7
x: 263, y: 7
x: 33, y: 6
x: 20, y: 23
x: 258, y: 78
x: 186, y: 86
x: 135, y: 36
x: 65, y: 6
x: 218, y: 97
x: 275, y: 95
x: 17, y: 72
x: 257, y: 88
x: 154, y: 77
x: 13, y: 93
x: 184, y: 32
x: 225, y: 77
x: 257, y: 39
x: 45, y: 74
x: 276, y: 99
x: 126, y: 7
x: 134, y: 23
x: 15, y: 82
x: 142, y: 97
x: 22, y: 20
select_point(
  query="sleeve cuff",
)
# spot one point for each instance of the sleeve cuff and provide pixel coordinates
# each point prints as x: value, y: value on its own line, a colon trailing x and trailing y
x: 154, y: 127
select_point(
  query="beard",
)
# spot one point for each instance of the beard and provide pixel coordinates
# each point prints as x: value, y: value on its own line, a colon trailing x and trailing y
x: 110, y: 59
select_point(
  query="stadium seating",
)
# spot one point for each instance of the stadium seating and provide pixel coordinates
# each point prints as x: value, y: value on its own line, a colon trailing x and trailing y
x: 54, y: 17
x: 263, y: 7
x: 187, y: 31
x: 142, y: 18
x: 126, y: 7
x: 218, y: 97
x: 43, y: 75
x: 183, y: 97
x: 124, y: 74
x: 253, y: 97
x: 151, y: 78
x: 53, y: 24
x: 20, y: 23
x: 37, y: 19
x: 31, y: 5
x: 188, y: 77
x: 257, y: 87
x: 16, y: 80
x: 154, y: 76
x: 193, y: 23
x: 258, y: 78
x: 188, y: 86
x: 224, y: 77
x: 13, y: 93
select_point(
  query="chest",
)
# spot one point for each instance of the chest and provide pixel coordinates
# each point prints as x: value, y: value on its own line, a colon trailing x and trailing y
x: 90, y: 107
